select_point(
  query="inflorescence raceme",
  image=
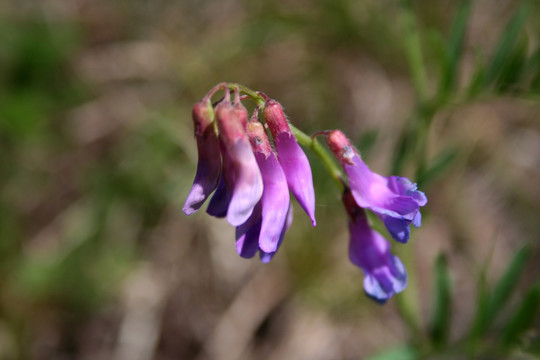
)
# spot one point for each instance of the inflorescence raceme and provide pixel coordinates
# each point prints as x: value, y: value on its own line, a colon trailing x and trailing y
x: 251, y: 180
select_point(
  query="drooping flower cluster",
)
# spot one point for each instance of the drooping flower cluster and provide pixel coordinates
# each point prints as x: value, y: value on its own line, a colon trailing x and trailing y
x: 252, y: 179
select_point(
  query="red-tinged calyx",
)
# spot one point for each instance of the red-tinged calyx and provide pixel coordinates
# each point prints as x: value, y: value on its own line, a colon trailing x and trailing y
x: 341, y: 147
x: 275, y: 118
x: 203, y: 117
x: 258, y: 138
x: 353, y: 210
x: 231, y: 120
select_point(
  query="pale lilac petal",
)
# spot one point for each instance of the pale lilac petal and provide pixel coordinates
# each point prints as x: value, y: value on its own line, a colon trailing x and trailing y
x: 275, y: 201
x: 371, y: 191
x: 417, y: 222
x: 265, y: 256
x: 297, y: 170
x: 384, y: 283
x: 248, y: 187
x: 404, y: 186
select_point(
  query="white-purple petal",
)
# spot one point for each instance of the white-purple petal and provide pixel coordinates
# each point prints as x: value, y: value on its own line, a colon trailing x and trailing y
x: 275, y: 201
x: 248, y: 186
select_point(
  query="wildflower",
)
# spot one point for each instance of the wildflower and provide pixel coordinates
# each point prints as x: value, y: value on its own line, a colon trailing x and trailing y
x: 384, y: 273
x: 293, y: 161
x: 275, y: 200
x: 240, y: 187
x: 394, y: 199
x: 209, y: 161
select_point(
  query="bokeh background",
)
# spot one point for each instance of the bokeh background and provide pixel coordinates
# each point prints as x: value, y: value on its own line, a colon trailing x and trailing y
x: 97, y: 260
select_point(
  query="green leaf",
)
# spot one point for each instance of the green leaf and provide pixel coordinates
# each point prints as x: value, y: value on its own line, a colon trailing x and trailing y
x: 399, y: 353
x: 523, y: 317
x: 507, y: 283
x: 455, y: 47
x: 505, y: 45
x: 439, y: 165
x: 440, y: 326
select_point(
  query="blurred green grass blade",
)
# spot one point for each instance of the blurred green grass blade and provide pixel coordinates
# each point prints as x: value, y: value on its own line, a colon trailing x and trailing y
x: 507, y: 283
x: 399, y: 353
x: 504, y: 47
x: 438, y: 167
x: 523, y: 317
x: 479, y: 322
x: 440, y: 326
x: 455, y: 46
x: 475, y: 86
x: 515, y: 67
x: 533, y: 68
x: 402, y: 151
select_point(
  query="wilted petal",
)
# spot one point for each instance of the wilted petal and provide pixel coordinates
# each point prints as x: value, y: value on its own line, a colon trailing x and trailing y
x: 209, y: 160
x: 292, y: 158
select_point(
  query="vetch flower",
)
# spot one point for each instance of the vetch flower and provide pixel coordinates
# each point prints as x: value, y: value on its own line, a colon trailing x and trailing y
x: 209, y: 161
x: 241, y: 186
x: 384, y: 273
x: 394, y: 199
x: 265, y: 229
x: 293, y: 160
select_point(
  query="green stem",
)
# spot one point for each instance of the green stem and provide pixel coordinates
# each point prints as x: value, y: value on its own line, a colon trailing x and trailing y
x: 247, y: 91
x: 323, y: 155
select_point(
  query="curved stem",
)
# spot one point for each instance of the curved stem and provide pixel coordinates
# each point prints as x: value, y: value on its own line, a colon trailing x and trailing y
x: 302, y: 138
x: 247, y: 91
x: 323, y: 155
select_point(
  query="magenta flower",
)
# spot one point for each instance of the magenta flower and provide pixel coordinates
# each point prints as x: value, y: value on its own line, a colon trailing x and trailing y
x: 395, y: 199
x: 241, y: 186
x: 293, y: 161
x: 384, y: 273
x: 209, y: 161
x: 265, y: 229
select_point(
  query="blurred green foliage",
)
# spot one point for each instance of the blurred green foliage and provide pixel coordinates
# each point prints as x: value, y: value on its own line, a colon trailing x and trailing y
x: 77, y: 217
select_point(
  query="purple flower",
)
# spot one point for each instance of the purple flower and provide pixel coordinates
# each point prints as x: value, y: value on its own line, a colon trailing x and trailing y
x: 384, y: 273
x: 266, y: 227
x: 293, y: 161
x: 209, y: 162
x: 394, y: 199
x: 240, y: 187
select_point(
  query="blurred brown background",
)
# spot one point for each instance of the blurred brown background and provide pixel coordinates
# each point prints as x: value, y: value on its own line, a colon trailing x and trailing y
x: 97, y: 261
